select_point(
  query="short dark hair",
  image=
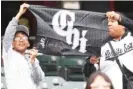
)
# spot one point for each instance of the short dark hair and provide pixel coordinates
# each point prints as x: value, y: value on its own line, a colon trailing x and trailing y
x: 122, y: 15
x: 94, y: 75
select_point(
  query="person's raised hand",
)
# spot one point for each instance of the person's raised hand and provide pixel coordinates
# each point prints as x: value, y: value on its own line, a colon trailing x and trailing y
x: 113, y: 16
x: 22, y: 10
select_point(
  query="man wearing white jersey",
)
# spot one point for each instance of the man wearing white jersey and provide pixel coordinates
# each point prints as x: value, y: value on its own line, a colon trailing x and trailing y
x: 122, y: 42
x: 21, y: 71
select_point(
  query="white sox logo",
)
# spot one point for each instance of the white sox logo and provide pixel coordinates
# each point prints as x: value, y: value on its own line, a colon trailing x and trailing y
x: 60, y: 22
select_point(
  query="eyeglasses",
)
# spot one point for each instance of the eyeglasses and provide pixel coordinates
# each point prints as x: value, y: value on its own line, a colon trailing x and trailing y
x: 20, y: 38
x: 96, y: 86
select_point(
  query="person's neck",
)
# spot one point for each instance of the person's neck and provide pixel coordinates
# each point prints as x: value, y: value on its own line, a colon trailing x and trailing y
x: 119, y: 38
x: 21, y: 52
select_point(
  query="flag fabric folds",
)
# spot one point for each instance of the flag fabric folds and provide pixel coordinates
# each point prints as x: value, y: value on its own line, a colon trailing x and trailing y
x: 69, y: 32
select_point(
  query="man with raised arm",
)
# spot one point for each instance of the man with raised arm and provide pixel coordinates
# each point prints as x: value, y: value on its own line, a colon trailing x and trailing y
x: 122, y: 42
x: 21, y: 71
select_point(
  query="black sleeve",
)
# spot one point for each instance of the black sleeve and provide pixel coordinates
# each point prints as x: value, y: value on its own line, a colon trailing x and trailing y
x: 88, y: 68
x: 127, y: 22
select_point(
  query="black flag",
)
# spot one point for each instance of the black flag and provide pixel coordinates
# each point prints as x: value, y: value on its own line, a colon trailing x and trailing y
x: 69, y: 32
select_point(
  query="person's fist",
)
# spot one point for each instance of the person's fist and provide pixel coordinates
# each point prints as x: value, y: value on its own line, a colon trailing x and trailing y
x: 113, y: 16
x: 33, y: 53
x: 23, y: 8
x: 94, y: 59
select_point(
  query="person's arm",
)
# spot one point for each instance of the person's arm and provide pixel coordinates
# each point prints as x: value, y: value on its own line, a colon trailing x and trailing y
x: 11, y: 28
x: 9, y: 34
x: 37, y: 73
x: 103, y: 64
x: 127, y: 22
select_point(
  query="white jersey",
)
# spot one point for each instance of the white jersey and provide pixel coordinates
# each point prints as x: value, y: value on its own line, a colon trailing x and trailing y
x: 124, y: 49
x: 19, y: 72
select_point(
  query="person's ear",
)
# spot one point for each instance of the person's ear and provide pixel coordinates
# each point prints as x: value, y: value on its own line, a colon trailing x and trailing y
x: 123, y: 27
